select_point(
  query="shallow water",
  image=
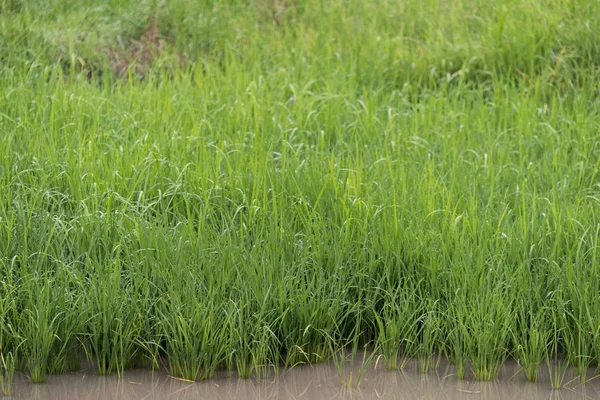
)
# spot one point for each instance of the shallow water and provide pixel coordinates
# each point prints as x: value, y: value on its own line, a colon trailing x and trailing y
x: 308, y: 382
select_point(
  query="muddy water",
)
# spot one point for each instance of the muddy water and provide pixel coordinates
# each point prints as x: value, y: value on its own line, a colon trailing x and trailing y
x: 311, y: 383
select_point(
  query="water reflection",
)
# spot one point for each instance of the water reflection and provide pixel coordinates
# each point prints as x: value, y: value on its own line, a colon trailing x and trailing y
x: 306, y: 382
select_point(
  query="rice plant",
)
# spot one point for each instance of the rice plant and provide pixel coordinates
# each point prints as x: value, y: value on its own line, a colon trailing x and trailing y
x: 532, y: 340
x: 7, y: 372
x: 398, y: 327
x: 180, y: 192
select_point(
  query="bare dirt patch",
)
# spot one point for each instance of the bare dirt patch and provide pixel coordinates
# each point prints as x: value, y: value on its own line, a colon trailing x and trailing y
x: 140, y: 54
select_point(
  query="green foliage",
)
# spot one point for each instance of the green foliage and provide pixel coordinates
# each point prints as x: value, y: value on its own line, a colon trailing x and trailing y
x: 240, y: 185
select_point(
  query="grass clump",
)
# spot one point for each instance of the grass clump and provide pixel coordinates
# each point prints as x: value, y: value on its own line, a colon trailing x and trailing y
x: 178, y: 190
x: 7, y: 372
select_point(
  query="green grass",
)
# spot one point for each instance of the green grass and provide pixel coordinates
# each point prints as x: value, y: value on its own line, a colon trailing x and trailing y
x: 249, y: 185
x: 7, y: 371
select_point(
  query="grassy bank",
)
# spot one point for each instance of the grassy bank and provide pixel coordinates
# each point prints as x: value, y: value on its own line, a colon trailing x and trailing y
x: 207, y: 185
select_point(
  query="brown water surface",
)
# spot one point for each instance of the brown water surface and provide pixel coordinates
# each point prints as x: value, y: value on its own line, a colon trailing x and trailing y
x: 309, y: 382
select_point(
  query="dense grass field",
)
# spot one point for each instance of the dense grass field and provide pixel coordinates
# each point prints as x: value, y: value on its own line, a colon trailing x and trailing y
x: 249, y: 185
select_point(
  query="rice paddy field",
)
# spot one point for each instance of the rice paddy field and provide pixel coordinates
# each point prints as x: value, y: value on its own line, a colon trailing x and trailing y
x: 201, y: 186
